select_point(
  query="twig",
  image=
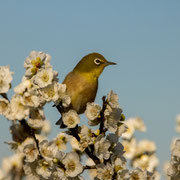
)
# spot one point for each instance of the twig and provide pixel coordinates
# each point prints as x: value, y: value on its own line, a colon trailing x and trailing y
x: 32, y: 133
x: 101, y: 127
x: 26, y: 127
x: 89, y: 152
x: 4, y: 95
x: 89, y: 167
x: 74, y: 133
x: 60, y: 108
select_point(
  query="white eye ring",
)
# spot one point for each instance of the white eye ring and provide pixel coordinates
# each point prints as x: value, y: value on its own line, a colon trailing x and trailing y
x: 97, y: 61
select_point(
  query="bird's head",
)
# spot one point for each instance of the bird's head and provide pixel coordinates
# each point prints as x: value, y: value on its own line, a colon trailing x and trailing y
x: 92, y: 64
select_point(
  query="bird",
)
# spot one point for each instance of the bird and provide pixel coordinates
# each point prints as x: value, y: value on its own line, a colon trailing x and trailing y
x: 82, y: 81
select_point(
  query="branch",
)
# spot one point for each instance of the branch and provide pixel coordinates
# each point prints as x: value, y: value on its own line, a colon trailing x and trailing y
x: 26, y: 127
x: 4, y: 95
x: 89, y: 167
x: 89, y: 152
x: 32, y: 133
x: 74, y: 133
x: 101, y: 127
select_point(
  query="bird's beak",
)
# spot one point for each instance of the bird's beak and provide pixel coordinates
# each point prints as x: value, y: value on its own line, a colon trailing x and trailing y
x: 110, y: 63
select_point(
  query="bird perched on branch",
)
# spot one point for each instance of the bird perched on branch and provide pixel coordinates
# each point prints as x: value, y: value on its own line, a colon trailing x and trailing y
x: 82, y: 81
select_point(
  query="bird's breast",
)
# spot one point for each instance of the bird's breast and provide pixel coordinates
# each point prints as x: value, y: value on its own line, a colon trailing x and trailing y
x: 82, y: 88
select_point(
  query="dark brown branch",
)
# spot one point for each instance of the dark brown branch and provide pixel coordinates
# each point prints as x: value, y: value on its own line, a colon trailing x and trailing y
x: 89, y: 151
x: 31, y: 132
x: 4, y: 95
x: 89, y: 167
x: 27, y: 128
x: 104, y: 104
x: 74, y: 133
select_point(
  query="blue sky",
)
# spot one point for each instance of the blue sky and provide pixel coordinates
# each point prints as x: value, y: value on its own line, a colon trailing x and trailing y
x: 141, y: 36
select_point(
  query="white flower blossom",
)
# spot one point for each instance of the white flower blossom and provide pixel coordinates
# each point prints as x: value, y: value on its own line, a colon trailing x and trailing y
x: 137, y: 174
x: 46, y: 128
x: 63, y: 97
x: 129, y: 148
x: 72, y: 164
x: 102, y: 148
x: 119, y: 164
x: 123, y: 175
x: 31, y: 152
x: 44, y: 168
x: 13, y: 162
x: 121, y: 128
x: 84, y: 142
x: 48, y: 150
x: 153, y: 176
x: 71, y: 119
x: 165, y: 168
x: 5, y: 79
x: 27, y: 141
x: 112, y: 118
x: 18, y: 110
x: 23, y: 86
x: 4, y: 106
x: 36, y: 119
x: 133, y: 124
x: 66, y: 100
x: 35, y: 123
x: 92, y: 172
x: 75, y: 144
x: 86, y: 137
x: 61, y: 89
x: 130, y: 129
x: 30, y: 100
x: 92, y: 112
x: 146, y: 162
x: 36, y: 61
x: 59, y: 174
x: 176, y: 149
x: 30, y: 171
x: 44, y: 77
x: 173, y: 170
x: 145, y: 146
x: 104, y: 172
x: 112, y: 99
x: 50, y: 92
x: 55, y: 92
x: 139, y: 124
x: 60, y: 141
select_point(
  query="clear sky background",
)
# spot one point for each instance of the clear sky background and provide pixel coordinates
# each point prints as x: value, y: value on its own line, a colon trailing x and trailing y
x: 143, y: 37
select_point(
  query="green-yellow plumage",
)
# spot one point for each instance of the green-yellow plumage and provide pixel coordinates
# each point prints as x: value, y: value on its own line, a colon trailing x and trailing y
x: 82, y: 82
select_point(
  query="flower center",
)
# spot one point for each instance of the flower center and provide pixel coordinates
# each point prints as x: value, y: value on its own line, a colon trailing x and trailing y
x: 71, y: 166
x: 45, y: 77
x: 71, y: 120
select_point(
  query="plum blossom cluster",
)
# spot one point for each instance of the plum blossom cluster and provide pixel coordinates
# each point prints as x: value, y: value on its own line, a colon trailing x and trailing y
x: 141, y: 154
x: 97, y: 150
x: 5, y: 79
x: 39, y: 86
x: 172, y: 168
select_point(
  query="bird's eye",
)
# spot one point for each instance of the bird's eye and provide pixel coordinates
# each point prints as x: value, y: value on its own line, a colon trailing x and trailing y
x: 97, y: 61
